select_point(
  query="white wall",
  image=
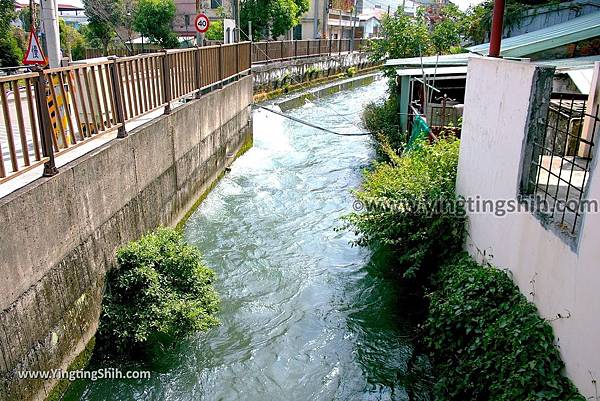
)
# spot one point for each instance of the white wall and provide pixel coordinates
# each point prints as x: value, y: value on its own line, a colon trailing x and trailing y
x: 563, y: 279
x: 369, y: 27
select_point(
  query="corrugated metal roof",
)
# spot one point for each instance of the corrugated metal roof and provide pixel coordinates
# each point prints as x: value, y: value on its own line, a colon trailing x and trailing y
x: 443, y: 60
x: 582, y: 79
x: 567, y: 63
x: 577, y: 29
x: 433, y: 71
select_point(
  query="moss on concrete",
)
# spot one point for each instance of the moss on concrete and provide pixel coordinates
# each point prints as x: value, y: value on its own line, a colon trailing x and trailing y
x: 80, y: 362
x: 248, y: 143
x: 265, y: 96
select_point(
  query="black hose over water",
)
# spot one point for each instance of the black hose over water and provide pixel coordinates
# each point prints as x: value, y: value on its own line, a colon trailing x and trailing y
x: 298, y: 120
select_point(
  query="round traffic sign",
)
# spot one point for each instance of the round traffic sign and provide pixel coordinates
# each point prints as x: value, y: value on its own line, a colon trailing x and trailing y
x: 202, y: 23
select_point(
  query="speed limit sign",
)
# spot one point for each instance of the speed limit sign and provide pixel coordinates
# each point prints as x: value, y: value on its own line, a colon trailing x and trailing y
x: 202, y: 23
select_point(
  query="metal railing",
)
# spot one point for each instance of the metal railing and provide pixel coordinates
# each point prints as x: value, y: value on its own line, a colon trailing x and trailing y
x: 47, y: 112
x: 265, y: 52
x: 561, y: 161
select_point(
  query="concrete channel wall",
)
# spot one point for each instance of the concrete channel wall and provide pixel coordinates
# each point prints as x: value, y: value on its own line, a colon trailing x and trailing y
x: 276, y: 75
x: 60, y: 234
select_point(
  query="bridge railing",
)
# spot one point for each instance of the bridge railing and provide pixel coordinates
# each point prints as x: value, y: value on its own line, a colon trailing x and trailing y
x: 51, y: 111
x: 48, y: 112
x: 265, y: 52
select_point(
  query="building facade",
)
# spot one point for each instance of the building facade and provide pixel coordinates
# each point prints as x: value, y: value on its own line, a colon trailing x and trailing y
x: 551, y: 254
x: 183, y: 24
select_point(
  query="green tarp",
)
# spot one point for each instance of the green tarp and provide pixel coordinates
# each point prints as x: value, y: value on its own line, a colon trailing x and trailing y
x: 420, y: 130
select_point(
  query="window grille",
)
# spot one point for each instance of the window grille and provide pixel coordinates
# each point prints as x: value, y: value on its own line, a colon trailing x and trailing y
x: 561, y: 159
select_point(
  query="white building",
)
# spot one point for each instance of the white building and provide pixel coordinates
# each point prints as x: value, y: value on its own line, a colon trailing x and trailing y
x: 520, y: 138
x: 71, y: 12
x: 370, y: 22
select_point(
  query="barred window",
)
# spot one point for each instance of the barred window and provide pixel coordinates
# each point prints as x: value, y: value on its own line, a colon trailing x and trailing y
x: 561, y: 153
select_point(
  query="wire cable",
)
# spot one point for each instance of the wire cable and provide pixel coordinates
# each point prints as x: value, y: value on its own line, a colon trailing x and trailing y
x: 301, y: 121
x: 301, y: 84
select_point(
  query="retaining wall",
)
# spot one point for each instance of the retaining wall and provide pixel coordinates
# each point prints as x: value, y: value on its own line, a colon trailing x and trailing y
x: 60, y: 234
x: 275, y: 75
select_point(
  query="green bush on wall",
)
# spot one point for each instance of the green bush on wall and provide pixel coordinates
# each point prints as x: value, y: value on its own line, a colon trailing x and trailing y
x: 160, y: 292
x: 487, y: 342
x: 382, y: 120
x: 410, y: 206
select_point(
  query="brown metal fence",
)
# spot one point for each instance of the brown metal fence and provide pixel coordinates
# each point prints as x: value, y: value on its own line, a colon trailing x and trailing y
x: 50, y: 111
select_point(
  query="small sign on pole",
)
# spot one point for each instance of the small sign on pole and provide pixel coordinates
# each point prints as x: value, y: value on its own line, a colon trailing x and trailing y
x: 202, y: 23
x: 34, y: 54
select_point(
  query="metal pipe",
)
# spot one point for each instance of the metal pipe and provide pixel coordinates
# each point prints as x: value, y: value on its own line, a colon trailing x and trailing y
x: 496, y: 35
x: 51, y: 31
x: 316, y: 19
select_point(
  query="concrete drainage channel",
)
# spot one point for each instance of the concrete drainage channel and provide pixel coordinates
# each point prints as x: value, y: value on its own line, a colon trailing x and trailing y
x: 289, y: 102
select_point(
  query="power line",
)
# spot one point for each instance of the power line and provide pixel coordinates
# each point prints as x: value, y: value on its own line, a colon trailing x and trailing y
x: 301, y: 121
x: 302, y: 84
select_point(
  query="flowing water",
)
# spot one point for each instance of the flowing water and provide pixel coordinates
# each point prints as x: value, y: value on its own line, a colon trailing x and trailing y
x: 304, y: 315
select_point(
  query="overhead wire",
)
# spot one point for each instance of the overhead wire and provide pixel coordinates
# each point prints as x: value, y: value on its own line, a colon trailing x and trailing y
x: 301, y: 121
x: 302, y: 85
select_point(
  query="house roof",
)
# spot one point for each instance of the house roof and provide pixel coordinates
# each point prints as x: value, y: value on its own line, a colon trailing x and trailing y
x: 64, y: 5
x: 463, y: 58
x: 582, y: 78
x: 575, y: 30
x: 369, y: 13
x: 462, y: 70
x: 443, y: 60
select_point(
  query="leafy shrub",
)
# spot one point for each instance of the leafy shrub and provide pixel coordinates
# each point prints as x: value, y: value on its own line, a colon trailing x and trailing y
x: 311, y: 72
x: 161, y: 292
x: 487, y: 342
x: 10, y: 52
x: 410, y: 206
x: 382, y: 119
x: 351, y: 71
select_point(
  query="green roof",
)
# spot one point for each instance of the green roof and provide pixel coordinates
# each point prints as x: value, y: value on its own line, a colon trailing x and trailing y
x: 575, y: 30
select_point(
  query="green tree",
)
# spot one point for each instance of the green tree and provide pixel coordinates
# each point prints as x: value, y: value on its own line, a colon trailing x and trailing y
x: 25, y: 17
x: 99, y: 33
x: 215, y: 31
x: 72, y: 42
x: 153, y: 18
x: 448, y: 32
x: 10, y: 52
x: 403, y: 37
x: 110, y: 21
x: 272, y: 18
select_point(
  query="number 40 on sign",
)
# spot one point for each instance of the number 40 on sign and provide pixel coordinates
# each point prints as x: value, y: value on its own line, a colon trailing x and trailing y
x: 202, y: 23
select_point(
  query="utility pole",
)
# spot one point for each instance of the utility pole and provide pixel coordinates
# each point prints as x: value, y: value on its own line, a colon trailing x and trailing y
x: 235, y: 4
x: 198, y: 37
x: 51, y: 33
x: 250, y: 31
x: 316, y: 19
x: 353, y: 25
x: 341, y: 26
x: 324, y: 28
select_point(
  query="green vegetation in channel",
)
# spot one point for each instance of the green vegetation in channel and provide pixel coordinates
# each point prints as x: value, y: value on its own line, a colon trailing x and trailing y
x: 405, y: 202
x: 160, y: 293
x: 487, y: 342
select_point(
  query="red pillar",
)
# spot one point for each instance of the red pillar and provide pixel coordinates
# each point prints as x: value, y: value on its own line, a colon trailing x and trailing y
x: 496, y: 35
